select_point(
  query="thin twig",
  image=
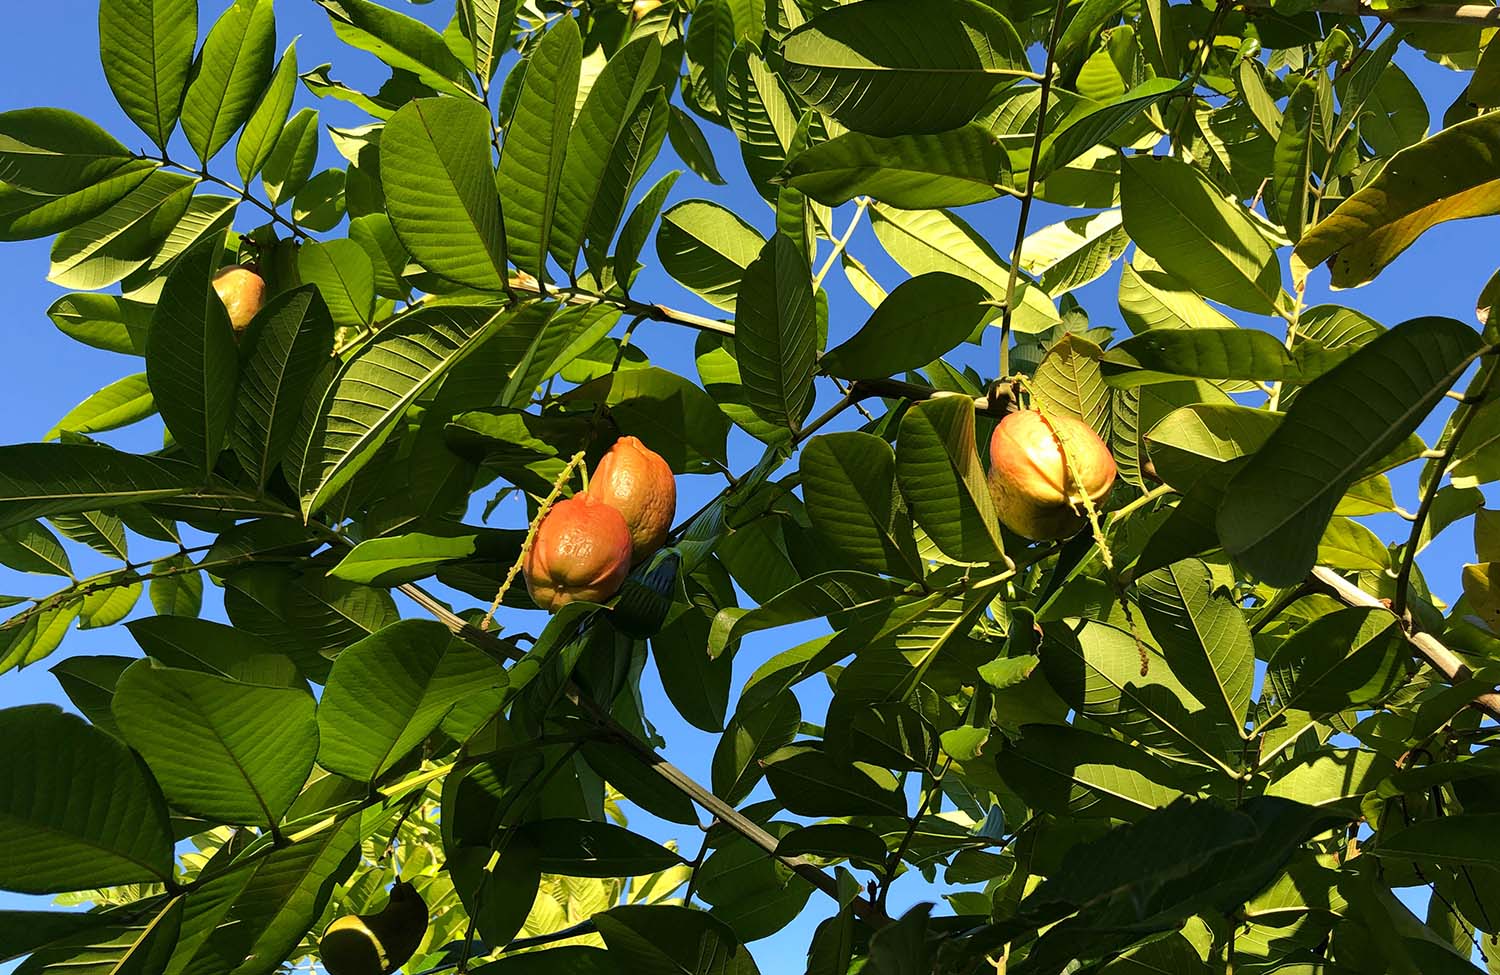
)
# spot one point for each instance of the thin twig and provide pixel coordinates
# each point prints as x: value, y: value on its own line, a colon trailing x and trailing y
x: 243, y: 193
x: 841, y: 243
x: 1466, y: 414
x: 1036, y: 155
x: 1476, y: 14
x: 1190, y: 90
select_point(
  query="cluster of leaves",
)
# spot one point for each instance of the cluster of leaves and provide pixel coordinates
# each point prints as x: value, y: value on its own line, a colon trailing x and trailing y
x: 1218, y: 730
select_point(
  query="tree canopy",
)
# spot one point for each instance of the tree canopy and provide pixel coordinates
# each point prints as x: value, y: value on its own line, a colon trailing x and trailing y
x: 1219, y: 723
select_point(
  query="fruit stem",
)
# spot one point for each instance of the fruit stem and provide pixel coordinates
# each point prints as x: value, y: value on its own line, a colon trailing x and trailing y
x: 541, y: 512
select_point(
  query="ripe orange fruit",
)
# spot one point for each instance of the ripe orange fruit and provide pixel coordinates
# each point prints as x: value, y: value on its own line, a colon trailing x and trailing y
x: 1039, y: 490
x: 635, y: 481
x: 243, y: 293
x: 581, y: 551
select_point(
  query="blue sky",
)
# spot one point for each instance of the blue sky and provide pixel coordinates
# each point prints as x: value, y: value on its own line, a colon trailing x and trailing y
x: 52, y: 60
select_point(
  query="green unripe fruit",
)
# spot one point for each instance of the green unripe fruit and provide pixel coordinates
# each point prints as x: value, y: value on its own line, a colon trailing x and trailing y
x: 376, y: 944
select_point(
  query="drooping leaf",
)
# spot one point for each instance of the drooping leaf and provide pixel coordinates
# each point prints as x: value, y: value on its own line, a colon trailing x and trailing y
x: 191, y: 360
x: 706, y: 248
x: 229, y: 751
x: 775, y: 333
x: 121, y: 403
x: 913, y: 172
x: 344, y: 277
x: 105, y: 249
x: 79, y: 810
x: 848, y: 486
x: 937, y: 464
x: 266, y: 123
x: 668, y: 938
x: 52, y: 151
x: 1278, y: 504
x: 404, y: 43
x: 287, y: 168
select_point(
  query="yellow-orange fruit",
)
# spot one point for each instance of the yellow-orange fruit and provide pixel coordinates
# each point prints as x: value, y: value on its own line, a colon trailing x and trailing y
x: 376, y: 944
x: 581, y: 552
x: 1038, y: 488
x: 243, y: 293
x: 643, y: 7
x: 635, y: 481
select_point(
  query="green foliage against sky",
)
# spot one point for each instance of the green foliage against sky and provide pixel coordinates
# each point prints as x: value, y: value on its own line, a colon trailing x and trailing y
x: 1225, y: 727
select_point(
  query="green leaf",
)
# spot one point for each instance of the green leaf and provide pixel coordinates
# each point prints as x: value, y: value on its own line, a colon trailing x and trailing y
x: 936, y: 240
x: 402, y: 558
x: 690, y: 145
x: 103, y: 531
x: 105, y: 249
x: 497, y: 891
x: 750, y: 737
x: 637, y: 229
x: 51, y: 151
x: 922, y: 319
x: 30, y: 547
x: 191, y: 359
x: 188, y: 643
x: 709, y: 46
x: 229, y: 751
x: 1192, y: 440
x: 1203, y: 636
x: 1097, y: 668
x: 1069, y: 382
x: 1349, y: 658
x: 1329, y: 776
x: 292, y: 160
x: 1174, y: 214
x: 321, y: 205
x: 1152, y: 298
x: 121, y: 403
x: 231, y: 72
x: 569, y: 960
x: 1299, y: 141
x: 147, y: 50
x: 607, y: 153
x: 825, y: 594
x: 1279, y: 503
x: 1060, y: 768
x: 894, y: 67
x: 109, y: 606
x: 1072, y: 253
x: 834, y: 841
x: 79, y: 810
x: 1167, y: 354
x: 775, y: 333
x: 440, y: 190
x: 103, y: 322
x: 809, y: 782
x: 42, y: 480
x: 379, y: 382
x: 706, y: 248
x: 1461, y: 840
x: 269, y: 118
x: 392, y: 689
x: 577, y: 848
x: 668, y: 938
x: 488, y: 25
x: 761, y: 116
x: 406, y: 44
x: 177, y: 589
x: 28, y: 216
x: 937, y: 464
x: 536, y: 141
x: 912, y: 172
x: 848, y: 486
x: 1446, y: 177
x: 679, y: 420
x: 344, y: 278
x: 285, y: 348
x: 137, y: 940
x: 388, y: 256
x: 1091, y: 123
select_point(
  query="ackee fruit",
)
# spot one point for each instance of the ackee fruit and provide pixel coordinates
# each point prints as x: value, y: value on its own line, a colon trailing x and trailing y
x: 243, y: 293
x: 635, y: 481
x: 1037, y: 487
x: 376, y: 944
x: 643, y: 7
x: 581, y: 552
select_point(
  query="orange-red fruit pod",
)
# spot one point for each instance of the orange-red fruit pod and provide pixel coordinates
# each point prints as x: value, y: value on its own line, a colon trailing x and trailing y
x: 243, y: 293
x: 581, y: 551
x: 1038, y: 490
x: 635, y: 481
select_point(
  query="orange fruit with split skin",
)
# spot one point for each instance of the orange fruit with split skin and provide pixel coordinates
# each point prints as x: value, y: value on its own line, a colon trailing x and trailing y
x: 1041, y: 470
x: 581, y: 551
x: 243, y: 293
x: 635, y: 481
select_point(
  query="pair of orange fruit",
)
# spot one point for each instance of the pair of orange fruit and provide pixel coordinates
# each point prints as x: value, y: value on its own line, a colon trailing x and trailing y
x: 586, y: 544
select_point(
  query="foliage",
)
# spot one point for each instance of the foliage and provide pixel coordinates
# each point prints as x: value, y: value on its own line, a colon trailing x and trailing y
x: 1218, y: 729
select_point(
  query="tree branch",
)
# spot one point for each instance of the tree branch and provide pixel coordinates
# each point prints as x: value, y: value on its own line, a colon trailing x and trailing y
x: 1424, y: 645
x: 1476, y: 14
x: 674, y: 776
